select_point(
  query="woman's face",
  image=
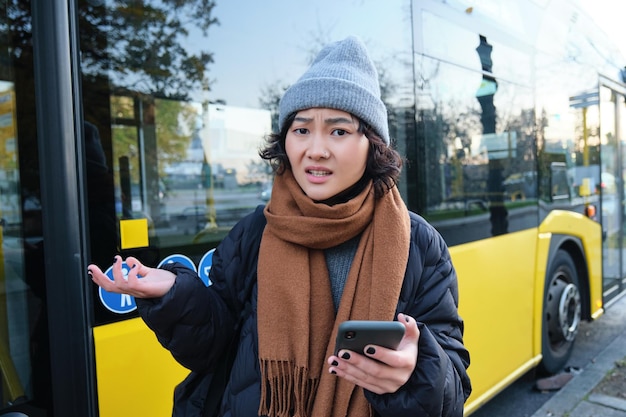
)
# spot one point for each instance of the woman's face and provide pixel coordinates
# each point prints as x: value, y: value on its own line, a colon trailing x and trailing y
x: 326, y: 151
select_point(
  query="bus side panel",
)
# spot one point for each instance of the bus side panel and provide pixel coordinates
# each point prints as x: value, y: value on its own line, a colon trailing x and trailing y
x: 541, y: 265
x: 590, y: 234
x: 136, y: 376
x: 497, y: 309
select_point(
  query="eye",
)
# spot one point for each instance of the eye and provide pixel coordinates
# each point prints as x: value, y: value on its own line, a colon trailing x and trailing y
x: 339, y: 132
x: 301, y: 131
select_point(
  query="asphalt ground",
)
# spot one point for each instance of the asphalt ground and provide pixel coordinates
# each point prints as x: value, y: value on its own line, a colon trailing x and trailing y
x: 582, y: 396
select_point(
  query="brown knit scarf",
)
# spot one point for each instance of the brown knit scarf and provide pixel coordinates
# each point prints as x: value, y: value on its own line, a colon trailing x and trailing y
x: 296, y: 320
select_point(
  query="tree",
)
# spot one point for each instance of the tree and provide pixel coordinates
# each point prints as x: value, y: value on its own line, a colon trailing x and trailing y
x: 139, y: 44
x: 270, y: 99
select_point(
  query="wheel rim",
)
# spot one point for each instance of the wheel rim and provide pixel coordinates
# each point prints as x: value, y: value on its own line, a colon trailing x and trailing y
x: 569, y: 312
x: 563, y: 312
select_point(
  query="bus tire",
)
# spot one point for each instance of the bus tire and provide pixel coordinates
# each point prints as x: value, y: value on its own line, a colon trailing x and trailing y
x: 561, y: 313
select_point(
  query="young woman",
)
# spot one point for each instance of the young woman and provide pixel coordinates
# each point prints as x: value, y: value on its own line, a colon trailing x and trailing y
x: 334, y: 243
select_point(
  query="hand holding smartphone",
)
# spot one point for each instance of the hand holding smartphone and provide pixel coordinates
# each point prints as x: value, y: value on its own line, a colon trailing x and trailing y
x: 354, y: 335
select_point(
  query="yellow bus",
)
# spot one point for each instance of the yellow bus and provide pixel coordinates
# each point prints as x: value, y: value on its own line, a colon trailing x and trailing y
x: 133, y: 128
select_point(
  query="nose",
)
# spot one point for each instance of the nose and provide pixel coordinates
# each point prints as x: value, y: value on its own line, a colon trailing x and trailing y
x: 317, y: 148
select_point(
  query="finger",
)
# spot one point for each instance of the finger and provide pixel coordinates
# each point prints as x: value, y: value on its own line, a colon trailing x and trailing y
x: 132, y: 280
x: 140, y: 268
x: 118, y: 273
x: 405, y: 355
x: 364, y: 372
x: 95, y: 273
x: 135, y: 270
x: 412, y: 331
x: 389, y: 357
x: 101, y: 279
x: 401, y: 362
x: 93, y: 268
x: 356, y: 367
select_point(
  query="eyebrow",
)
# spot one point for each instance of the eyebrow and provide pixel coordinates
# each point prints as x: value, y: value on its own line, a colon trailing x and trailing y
x: 329, y: 121
x: 336, y: 120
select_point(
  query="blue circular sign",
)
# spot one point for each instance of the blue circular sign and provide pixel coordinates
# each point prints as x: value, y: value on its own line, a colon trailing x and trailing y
x: 117, y: 303
x: 205, y: 267
x: 180, y: 259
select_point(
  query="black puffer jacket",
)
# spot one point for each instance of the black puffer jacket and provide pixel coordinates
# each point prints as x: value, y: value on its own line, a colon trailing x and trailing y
x: 196, y: 323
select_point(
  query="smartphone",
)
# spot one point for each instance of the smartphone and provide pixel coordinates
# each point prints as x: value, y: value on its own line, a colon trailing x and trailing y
x: 354, y: 335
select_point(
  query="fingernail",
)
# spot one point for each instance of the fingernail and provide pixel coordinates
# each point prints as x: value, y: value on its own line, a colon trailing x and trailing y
x: 335, y: 363
x: 132, y: 267
x: 114, y: 259
x: 89, y: 271
x: 345, y: 356
x: 370, y: 350
x: 406, y: 318
x: 333, y: 372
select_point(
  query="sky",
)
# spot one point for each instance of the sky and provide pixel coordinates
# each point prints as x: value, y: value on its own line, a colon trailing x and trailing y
x: 610, y: 15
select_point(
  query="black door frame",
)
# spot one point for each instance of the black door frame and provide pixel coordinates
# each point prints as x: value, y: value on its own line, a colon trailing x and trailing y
x: 61, y: 156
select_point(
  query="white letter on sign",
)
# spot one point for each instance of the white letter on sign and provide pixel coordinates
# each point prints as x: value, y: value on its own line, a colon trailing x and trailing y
x: 126, y: 301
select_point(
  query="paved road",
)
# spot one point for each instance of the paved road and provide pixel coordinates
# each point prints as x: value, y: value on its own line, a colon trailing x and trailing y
x: 521, y: 399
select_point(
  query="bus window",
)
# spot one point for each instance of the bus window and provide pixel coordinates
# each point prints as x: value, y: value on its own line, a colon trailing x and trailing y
x: 24, y: 349
x: 559, y: 182
x: 479, y: 170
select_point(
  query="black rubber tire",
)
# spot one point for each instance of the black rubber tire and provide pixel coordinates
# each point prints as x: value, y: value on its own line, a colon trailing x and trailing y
x: 561, y: 313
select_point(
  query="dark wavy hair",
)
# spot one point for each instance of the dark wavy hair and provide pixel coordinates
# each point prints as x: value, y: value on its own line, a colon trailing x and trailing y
x: 383, y: 162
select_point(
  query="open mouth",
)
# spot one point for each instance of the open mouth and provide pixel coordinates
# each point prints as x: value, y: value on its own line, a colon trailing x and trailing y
x: 317, y: 173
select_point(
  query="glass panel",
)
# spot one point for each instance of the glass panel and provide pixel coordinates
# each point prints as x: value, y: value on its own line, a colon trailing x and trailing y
x: 176, y: 107
x: 14, y: 363
x: 621, y: 179
x: 610, y: 202
x: 477, y: 116
x: 567, y: 135
x: 24, y: 360
x: 181, y: 112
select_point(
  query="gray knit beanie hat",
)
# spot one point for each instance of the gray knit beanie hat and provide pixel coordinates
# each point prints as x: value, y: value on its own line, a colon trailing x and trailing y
x: 342, y: 77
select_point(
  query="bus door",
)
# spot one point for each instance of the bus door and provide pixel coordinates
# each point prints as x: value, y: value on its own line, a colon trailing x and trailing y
x: 611, y: 187
x: 45, y: 354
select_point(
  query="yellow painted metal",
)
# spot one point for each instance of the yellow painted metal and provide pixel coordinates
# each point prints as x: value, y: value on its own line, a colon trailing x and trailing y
x: 496, y: 287
x: 501, y: 287
x: 136, y: 376
x: 590, y: 233
x: 501, y: 283
x: 541, y: 265
x: 134, y: 233
x: 477, y: 400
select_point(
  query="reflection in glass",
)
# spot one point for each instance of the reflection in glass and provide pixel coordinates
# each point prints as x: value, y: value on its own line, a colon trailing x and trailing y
x: 610, y: 202
x: 182, y: 100
x: 481, y: 171
x: 24, y: 363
